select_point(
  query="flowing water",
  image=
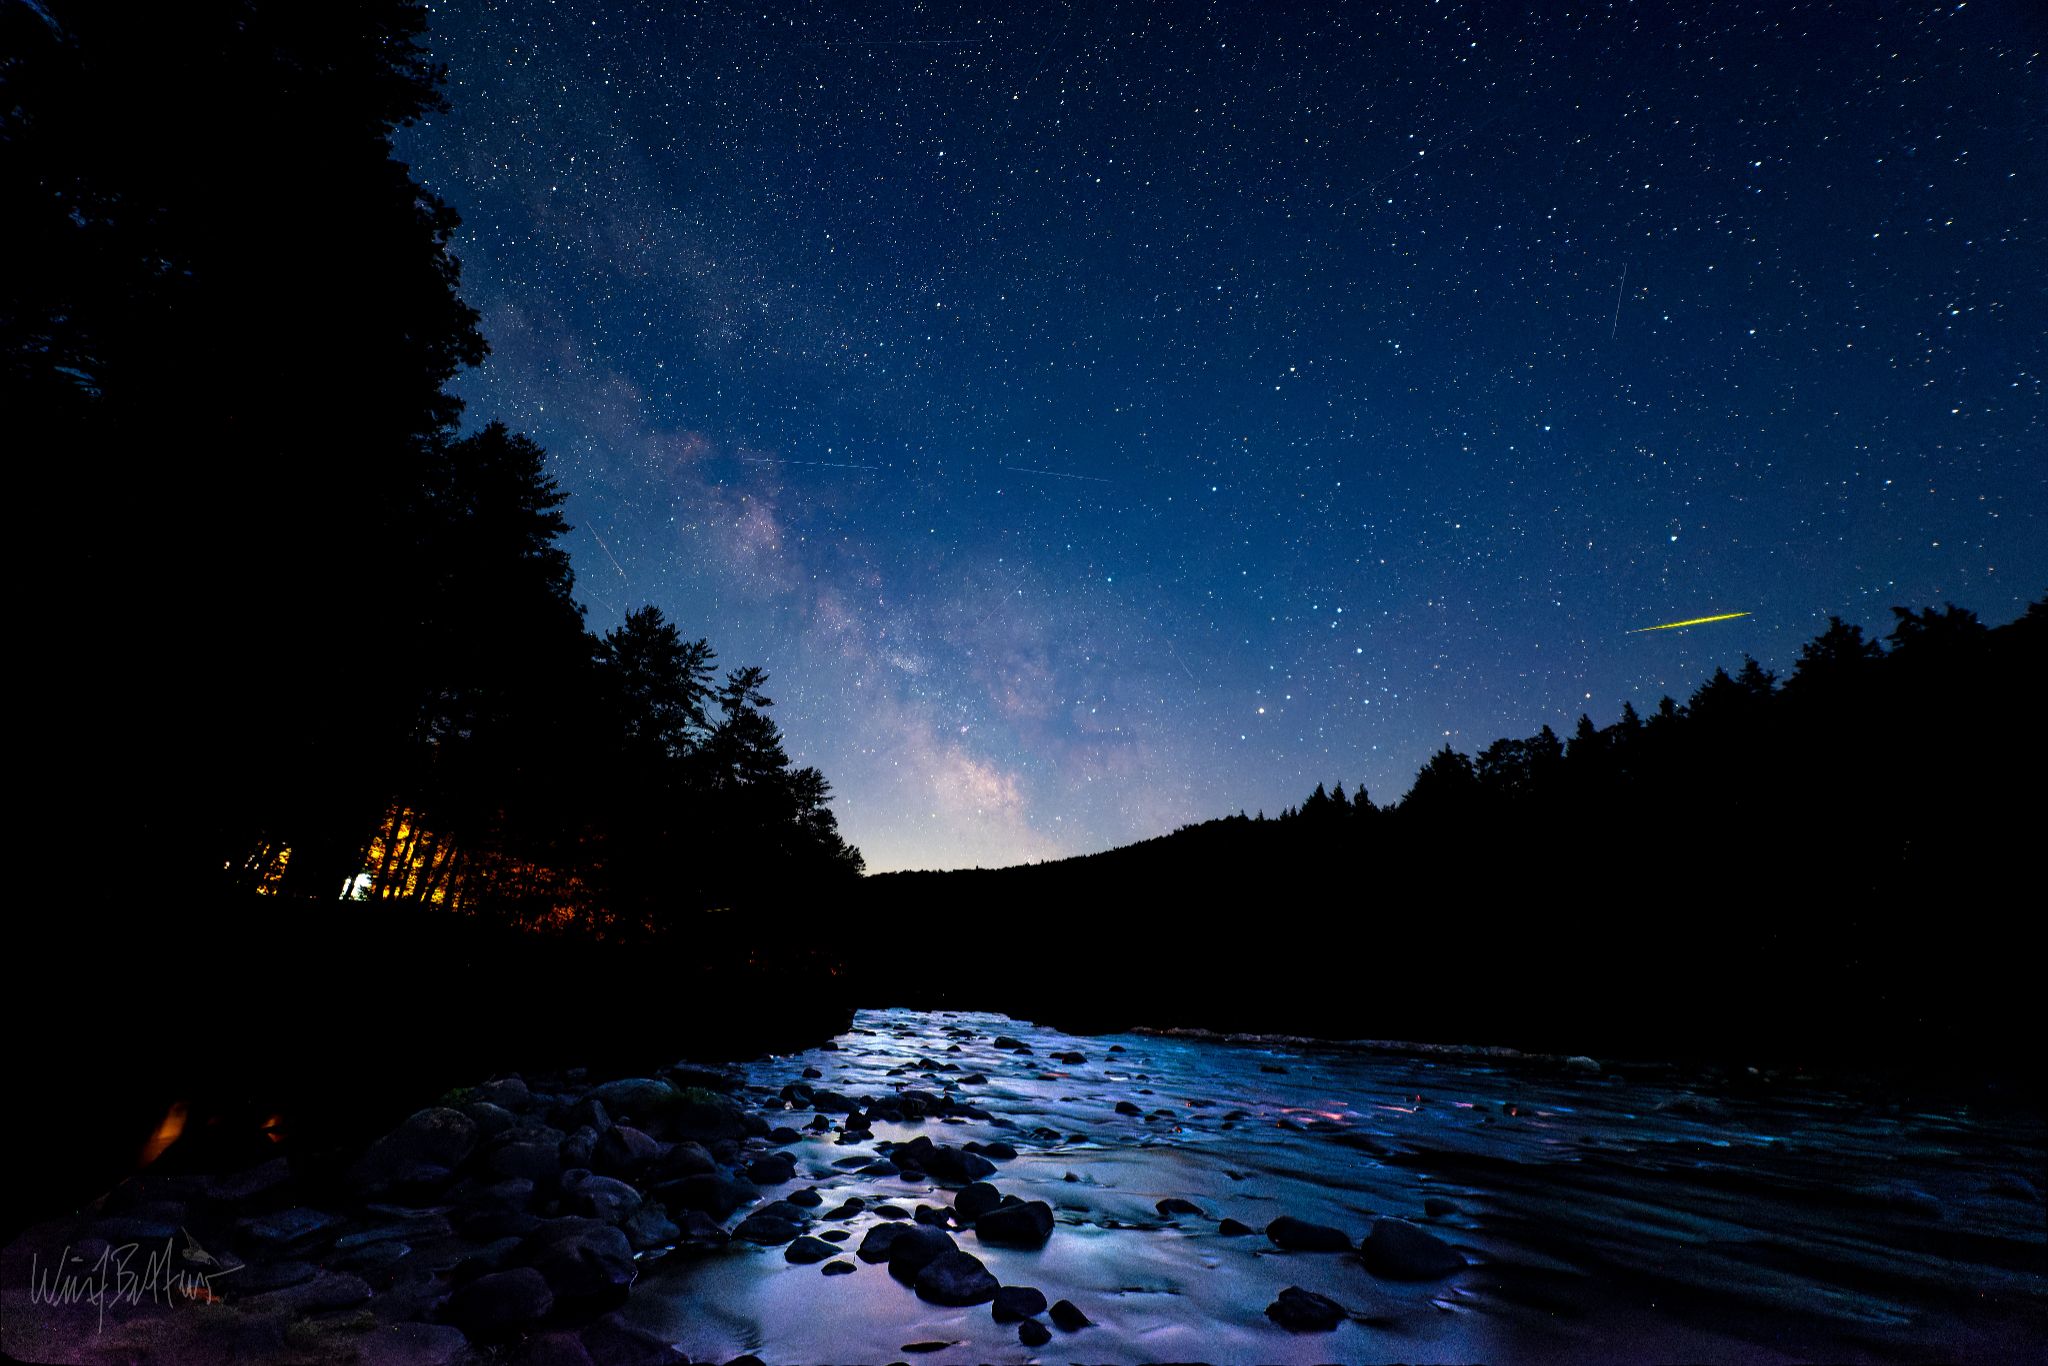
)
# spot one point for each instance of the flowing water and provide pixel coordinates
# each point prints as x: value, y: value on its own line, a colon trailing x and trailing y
x: 1601, y: 1218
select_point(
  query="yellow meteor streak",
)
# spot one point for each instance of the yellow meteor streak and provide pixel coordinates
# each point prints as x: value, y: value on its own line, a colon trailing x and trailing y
x: 1693, y: 621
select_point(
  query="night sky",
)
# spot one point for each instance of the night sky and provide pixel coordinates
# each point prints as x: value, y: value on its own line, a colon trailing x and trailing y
x: 1101, y: 417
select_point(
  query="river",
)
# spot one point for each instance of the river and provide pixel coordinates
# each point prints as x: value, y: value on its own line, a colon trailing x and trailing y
x: 1602, y: 1214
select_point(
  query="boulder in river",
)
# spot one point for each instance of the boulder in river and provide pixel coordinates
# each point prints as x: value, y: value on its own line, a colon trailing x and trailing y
x: 686, y: 1158
x: 1026, y: 1225
x: 1068, y: 1318
x: 976, y: 1200
x: 954, y: 1279
x: 916, y: 1248
x: 956, y: 1166
x: 875, y: 1246
x: 1032, y: 1333
x: 1015, y: 1302
x: 772, y: 1170
x: 1304, y: 1311
x: 807, y: 1250
x: 647, y: 1227
x: 772, y: 1225
x: 1298, y: 1235
x: 1397, y: 1250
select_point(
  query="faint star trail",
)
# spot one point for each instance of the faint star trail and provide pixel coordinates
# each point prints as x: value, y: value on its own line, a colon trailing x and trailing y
x: 1055, y: 474
x: 608, y: 552
x: 829, y: 464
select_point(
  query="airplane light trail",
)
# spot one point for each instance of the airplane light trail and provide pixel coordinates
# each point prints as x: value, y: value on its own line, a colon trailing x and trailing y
x: 1691, y: 621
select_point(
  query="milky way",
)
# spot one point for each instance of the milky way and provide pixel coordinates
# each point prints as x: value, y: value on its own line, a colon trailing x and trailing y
x: 1098, y: 417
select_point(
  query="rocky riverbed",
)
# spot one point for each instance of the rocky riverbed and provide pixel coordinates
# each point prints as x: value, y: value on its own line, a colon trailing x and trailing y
x: 970, y: 1188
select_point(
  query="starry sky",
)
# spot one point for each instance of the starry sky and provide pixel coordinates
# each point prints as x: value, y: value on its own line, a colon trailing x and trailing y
x: 1103, y: 416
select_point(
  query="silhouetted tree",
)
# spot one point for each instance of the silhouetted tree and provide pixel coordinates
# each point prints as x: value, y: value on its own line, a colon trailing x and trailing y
x: 1756, y: 681
x: 1585, y: 742
x: 1834, y: 659
x: 660, y: 685
x: 1503, y: 770
x: 1545, y: 755
x: 1446, y: 783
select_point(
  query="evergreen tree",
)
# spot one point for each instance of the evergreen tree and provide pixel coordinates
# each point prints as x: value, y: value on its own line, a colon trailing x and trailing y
x: 1833, y: 660
x: 1446, y: 783
x: 660, y: 684
x: 1756, y: 681
x: 1585, y: 743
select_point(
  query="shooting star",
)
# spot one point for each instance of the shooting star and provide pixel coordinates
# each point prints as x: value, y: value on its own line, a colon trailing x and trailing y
x: 829, y: 464
x: 1055, y: 474
x: 1690, y: 621
x: 1615, y: 330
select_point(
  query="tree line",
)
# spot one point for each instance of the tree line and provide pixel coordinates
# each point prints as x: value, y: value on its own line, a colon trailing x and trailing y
x: 1856, y: 716
x: 306, y: 636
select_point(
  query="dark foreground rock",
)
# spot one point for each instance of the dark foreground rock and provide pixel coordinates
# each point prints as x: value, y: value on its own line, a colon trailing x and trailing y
x: 1304, y: 1311
x: 1026, y: 1225
x: 1014, y: 1302
x: 915, y: 1248
x: 805, y: 1251
x: 1298, y: 1235
x: 1397, y: 1250
x: 584, y: 1261
x: 956, y: 1278
x: 501, y: 1305
x: 875, y: 1246
x: 419, y: 1156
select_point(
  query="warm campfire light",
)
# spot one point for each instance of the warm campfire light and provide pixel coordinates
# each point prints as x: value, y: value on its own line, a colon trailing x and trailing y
x: 166, y: 1133
x: 273, y: 1128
